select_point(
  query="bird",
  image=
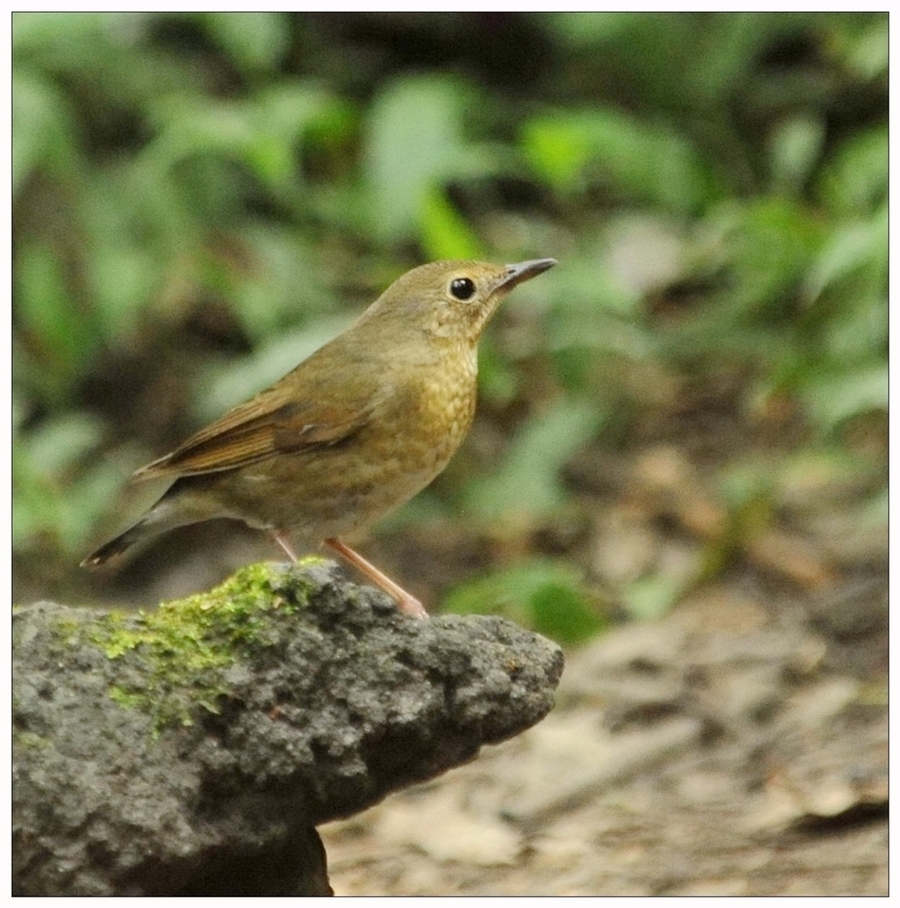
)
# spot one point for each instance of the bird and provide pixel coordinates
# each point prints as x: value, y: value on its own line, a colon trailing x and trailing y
x: 351, y: 433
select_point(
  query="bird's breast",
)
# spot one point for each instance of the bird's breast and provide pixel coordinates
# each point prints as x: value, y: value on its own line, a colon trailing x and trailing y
x: 435, y: 408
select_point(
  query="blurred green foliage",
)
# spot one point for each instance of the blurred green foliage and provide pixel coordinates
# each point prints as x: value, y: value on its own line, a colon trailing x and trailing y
x: 232, y: 187
x: 547, y: 595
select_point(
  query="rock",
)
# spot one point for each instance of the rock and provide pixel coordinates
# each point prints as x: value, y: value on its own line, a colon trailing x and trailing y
x: 193, y: 749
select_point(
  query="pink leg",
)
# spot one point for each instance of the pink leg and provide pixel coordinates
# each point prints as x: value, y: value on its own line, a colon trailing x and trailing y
x: 283, y: 541
x: 406, y: 602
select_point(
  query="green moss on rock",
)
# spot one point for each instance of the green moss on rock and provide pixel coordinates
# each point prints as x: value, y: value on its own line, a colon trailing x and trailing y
x: 175, y: 658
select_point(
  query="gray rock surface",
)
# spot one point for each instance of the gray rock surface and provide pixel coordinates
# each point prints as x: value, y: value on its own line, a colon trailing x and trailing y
x: 193, y: 750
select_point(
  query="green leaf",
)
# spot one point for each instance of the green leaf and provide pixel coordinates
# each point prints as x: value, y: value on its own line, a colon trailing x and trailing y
x: 263, y: 133
x: 59, y: 338
x: 856, y: 179
x: 255, y: 41
x: 43, y: 133
x: 795, y: 148
x: 867, y: 52
x: 852, y: 246
x: 594, y: 310
x: 771, y: 242
x: 833, y: 398
x: 570, y: 150
x: 61, y: 441
x: 548, y: 596
x: 443, y: 231
x: 40, y: 33
x: 55, y: 501
x: 528, y: 481
x: 415, y: 144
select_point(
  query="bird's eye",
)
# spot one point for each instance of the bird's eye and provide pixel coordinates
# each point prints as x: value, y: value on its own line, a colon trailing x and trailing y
x: 462, y: 288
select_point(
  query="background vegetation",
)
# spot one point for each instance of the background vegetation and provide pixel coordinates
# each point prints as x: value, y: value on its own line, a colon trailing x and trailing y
x: 200, y: 200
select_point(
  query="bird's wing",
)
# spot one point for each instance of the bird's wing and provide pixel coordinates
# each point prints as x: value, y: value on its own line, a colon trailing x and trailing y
x: 271, y: 423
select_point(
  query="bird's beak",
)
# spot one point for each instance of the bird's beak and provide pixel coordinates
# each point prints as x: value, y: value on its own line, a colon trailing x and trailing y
x: 524, y: 271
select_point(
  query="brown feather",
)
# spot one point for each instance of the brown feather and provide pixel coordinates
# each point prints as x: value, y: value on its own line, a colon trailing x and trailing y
x: 260, y: 428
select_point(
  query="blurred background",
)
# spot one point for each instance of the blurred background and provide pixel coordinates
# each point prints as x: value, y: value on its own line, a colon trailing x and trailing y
x: 697, y: 393
x: 678, y: 469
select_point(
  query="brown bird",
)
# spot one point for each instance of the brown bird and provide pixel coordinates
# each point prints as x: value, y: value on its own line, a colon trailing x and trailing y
x: 354, y: 431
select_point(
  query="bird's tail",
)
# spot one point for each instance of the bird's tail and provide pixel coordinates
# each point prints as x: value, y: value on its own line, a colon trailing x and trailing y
x: 117, y: 546
x: 167, y: 514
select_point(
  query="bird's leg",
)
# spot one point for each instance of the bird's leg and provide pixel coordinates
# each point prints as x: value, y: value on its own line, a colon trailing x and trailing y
x: 406, y: 602
x: 283, y: 541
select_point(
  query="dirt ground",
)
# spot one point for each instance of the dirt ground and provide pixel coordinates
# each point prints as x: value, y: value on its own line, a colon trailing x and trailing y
x: 738, y: 746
